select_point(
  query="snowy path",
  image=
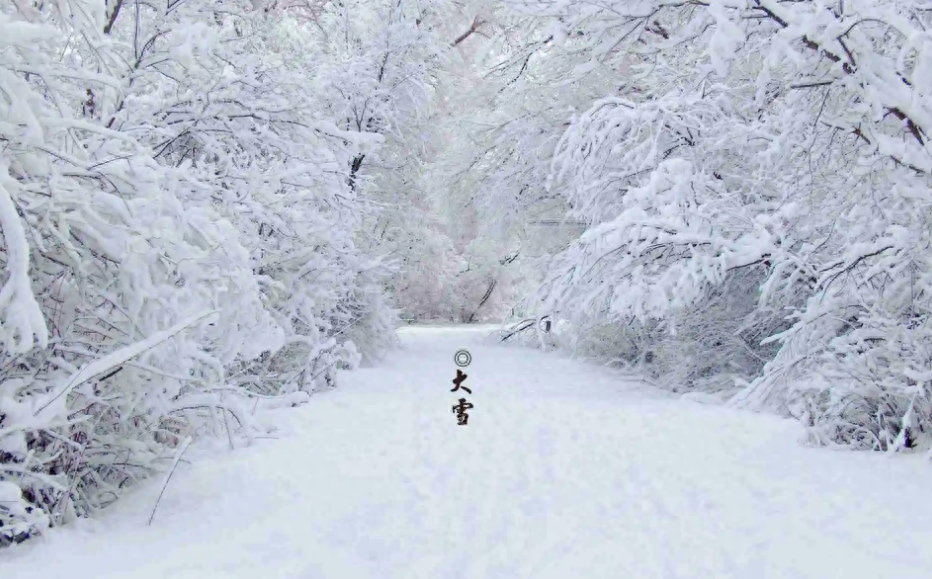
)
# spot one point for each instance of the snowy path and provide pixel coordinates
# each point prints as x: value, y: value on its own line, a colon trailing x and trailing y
x: 563, y: 472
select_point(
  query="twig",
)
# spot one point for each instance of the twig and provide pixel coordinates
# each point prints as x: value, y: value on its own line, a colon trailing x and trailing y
x: 184, y: 447
x: 529, y: 323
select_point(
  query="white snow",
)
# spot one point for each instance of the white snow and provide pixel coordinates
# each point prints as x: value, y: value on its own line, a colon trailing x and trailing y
x: 565, y: 470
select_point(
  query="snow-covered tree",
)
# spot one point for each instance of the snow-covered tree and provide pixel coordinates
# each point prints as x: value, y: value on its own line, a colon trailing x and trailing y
x: 179, y: 241
x: 777, y: 148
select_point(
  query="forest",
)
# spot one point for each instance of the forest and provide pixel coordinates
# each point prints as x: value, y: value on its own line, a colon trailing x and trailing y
x: 213, y: 207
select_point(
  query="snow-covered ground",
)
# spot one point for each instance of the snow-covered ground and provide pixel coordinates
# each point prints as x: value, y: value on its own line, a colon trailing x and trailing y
x: 564, y: 471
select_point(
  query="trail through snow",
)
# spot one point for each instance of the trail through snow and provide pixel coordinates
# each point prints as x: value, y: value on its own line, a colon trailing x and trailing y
x: 564, y: 471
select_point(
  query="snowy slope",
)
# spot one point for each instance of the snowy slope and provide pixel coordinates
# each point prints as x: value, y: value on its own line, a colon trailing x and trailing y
x: 564, y: 471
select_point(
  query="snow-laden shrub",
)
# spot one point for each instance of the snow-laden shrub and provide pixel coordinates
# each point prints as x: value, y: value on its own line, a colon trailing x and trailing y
x: 788, y: 140
x: 713, y: 347
x: 178, y: 240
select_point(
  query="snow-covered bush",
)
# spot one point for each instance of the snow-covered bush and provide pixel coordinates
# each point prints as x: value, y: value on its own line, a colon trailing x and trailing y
x: 179, y: 238
x: 756, y: 190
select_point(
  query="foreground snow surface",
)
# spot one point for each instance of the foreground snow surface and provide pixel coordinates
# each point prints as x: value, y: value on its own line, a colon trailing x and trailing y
x: 564, y: 471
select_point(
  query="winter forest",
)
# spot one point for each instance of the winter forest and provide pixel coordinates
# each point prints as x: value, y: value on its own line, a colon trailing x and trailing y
x: 212, y: 208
